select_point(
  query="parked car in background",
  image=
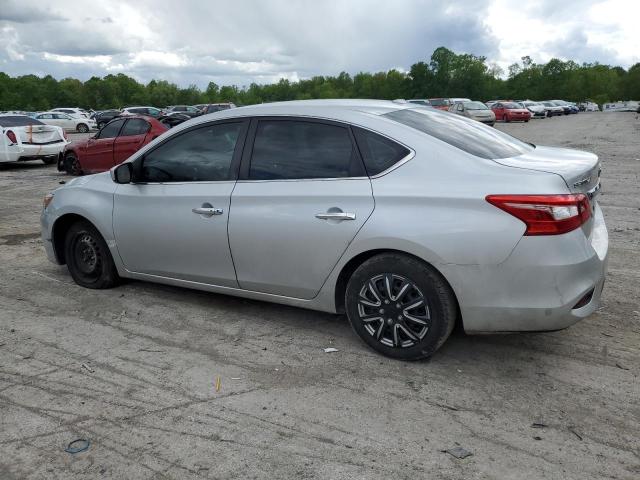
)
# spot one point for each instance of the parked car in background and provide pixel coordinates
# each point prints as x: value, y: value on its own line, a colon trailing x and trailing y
x: 552, y: 109
x: 112, y: 145
x: 67, y: 122
x: 515, y: 241
x: 475, y: 111
x: 564, y: 104
x: 150, y: 111
x: 105, y: 116
x: 174, y: 118
x: 73, y: 111
x: 440, y: 103
x: 24, y: 138
x: 186, y: 109
x: 458, y: 100
x: 213, y: 107
x: 423, y: 102
x: 566, y: 109
x: 510, y: 112
x: 621, y: 106
x: 537, y: 109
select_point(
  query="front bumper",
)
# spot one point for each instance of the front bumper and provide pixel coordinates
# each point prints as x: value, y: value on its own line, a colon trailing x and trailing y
x: 540, y: 285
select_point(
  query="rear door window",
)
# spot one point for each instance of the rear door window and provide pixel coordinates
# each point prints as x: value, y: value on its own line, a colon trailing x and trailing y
x: 135, y: 126
x: 379, y: 153
x: 292, y: 149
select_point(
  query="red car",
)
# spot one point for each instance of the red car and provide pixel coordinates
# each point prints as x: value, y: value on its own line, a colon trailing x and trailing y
x: 440, y: 103
x: 510, y: 111
x: 112, y: 145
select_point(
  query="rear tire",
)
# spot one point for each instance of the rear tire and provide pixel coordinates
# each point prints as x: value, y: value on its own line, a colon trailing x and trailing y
x: 400, y: 306
x: 88, y: 258
x: 82, y: 128
x: 72, y: 165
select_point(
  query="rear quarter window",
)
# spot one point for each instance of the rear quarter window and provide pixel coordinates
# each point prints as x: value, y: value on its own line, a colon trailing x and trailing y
x: 378, y: 153
x: 467, y: 135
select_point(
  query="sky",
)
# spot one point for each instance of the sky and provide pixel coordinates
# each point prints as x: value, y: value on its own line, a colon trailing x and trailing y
x: 244, y: 41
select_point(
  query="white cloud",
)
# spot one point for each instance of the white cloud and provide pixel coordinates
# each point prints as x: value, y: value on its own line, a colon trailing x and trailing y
x: 240, y: 42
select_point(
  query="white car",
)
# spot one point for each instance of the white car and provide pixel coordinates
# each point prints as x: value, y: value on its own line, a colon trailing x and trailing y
x: 24, y: 138
x: 73, y: 111
x: 537, y: 109
x: 150, y: 111
x: 459, y: 100
x: 67, y: 122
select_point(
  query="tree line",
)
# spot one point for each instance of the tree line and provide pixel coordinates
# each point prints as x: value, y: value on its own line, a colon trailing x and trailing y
x: 447, y: 74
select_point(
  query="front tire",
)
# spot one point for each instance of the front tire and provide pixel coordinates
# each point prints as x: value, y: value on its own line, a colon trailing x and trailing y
x: 82, y: 128
x: 88, y: 258
x: 72, y: 165
x: 400, y: 306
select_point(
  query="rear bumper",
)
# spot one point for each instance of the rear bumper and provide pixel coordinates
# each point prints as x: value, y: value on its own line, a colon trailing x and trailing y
x: 34, y: 152
x: 540, y: 285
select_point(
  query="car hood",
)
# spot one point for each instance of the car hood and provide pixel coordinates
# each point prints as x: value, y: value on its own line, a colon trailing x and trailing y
x: 480, y: 113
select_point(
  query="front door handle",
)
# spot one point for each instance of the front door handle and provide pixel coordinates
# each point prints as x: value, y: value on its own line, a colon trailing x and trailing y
x: 207, y: 211
x: 336, y: 216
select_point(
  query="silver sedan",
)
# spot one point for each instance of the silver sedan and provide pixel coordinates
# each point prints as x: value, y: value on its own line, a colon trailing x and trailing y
x: 403, y: 217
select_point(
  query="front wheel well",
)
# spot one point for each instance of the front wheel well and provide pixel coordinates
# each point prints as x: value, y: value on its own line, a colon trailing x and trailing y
x: 59, y: 232
x: 355, y: 262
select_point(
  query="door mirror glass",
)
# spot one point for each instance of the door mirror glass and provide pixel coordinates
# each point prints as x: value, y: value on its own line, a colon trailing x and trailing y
x: 123, y: 173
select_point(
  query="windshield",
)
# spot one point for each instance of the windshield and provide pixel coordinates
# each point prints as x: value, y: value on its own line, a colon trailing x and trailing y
x: 475, y: 106
x: 467, y: 135
x: 18, y: 121
x: 438, y: 102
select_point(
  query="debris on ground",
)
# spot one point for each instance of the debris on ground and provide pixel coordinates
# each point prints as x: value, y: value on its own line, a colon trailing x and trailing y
x: 330, y: 350
x: 88, y: 368
x: 538, y: 425
x: 458, y: 452
x: 619, y: 365
x: 218, y: 384
x: 537, y: 438
x: 82, y: 445
x: 572, y: 430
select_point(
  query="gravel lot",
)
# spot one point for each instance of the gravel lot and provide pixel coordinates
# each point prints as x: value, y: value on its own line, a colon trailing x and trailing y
x: 134, y: 369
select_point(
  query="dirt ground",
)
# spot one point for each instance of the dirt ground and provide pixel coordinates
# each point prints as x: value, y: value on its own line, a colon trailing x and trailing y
x: 134, y: 369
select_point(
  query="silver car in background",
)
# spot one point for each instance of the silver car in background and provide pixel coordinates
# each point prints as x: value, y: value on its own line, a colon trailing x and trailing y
x: 406, y: 218
x: 475, y: 111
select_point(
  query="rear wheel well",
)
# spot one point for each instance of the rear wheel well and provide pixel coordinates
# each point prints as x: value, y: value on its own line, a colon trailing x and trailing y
x: 59, y: 232
x: 355, y: 262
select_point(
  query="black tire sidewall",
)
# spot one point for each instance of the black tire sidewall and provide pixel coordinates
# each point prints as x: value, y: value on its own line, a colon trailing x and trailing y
x: 437, y: 292
x: 108, y: 275
x: 68, y: 164
x: 82, y: 128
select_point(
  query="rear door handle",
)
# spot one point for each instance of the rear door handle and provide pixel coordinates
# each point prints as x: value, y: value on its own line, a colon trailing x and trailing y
x: 336, y: 216
x: 208, y: 211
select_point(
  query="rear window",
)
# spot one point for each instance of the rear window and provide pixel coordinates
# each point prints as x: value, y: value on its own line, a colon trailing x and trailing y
x: 378, y: 152
x: 439, y: 102
x: 18, y: 121
x: 467, y: 135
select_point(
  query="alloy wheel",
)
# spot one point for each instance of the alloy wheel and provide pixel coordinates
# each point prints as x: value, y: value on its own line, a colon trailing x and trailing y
x: 393, y: 310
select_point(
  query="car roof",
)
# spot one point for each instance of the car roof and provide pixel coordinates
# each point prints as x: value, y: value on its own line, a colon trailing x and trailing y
x: 359, y: 112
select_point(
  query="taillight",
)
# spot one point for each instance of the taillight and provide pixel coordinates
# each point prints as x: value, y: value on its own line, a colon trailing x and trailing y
x: 12, y: 136
x: 545, y: 214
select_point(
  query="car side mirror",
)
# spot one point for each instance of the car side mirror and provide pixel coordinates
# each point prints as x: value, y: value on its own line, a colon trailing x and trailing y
x: 122, y: 173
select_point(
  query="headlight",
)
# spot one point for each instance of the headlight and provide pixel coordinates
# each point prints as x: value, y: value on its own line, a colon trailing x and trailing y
x: 47, y: 200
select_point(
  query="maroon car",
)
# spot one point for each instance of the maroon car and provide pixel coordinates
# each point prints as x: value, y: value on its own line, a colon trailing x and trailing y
x: 112, y: 145
x: 511, y: 111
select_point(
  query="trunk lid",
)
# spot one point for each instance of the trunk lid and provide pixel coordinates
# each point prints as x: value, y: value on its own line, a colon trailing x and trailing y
x: 580, y: 171
x: 37, y: 134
